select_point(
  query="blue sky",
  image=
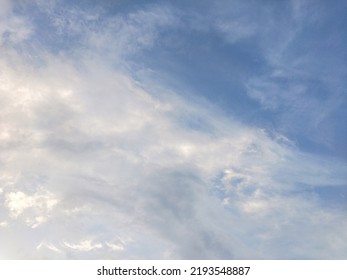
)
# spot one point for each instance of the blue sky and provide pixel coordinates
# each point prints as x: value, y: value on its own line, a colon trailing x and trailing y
x: 173, y: 129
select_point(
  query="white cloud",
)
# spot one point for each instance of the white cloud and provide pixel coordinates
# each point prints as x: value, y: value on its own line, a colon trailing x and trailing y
x: 13, y: 28
x: 115, y: 36
x: 3, y: 224
x: 115, y: 247
x: 84, y: 245
x: 5, y: 7
x: 122, y: 164
x: 40, y: 203
x: 49, y: 247
x: 96, y: 165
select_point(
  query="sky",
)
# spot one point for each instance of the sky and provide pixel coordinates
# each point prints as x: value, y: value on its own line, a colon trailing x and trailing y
x: 173, y: 129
